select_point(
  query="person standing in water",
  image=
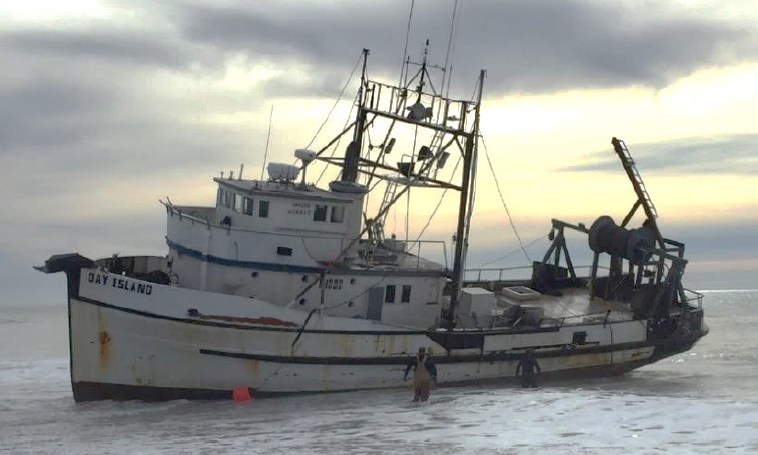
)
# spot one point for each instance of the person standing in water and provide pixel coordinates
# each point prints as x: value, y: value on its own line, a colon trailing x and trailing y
x: 525, y: 369
x: 424, y: 372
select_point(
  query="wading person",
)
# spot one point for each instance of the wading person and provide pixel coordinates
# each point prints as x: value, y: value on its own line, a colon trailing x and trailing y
x: 525, y: 368
x: 424, y: 373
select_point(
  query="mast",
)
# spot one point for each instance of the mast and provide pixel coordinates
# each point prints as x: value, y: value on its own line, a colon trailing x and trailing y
x: 464, y: 207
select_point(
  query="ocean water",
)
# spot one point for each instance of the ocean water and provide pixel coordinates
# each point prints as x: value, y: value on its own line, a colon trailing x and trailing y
x: 701, y: 402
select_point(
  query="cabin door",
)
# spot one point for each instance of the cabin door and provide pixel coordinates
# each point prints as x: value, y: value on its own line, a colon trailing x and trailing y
x: 375, y: 302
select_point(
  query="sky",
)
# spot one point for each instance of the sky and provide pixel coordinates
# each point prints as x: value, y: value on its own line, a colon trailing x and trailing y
x: 106, y: 107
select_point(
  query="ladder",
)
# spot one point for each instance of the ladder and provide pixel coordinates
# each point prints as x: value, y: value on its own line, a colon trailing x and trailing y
x: 389, y: 196
x: 634, y: 175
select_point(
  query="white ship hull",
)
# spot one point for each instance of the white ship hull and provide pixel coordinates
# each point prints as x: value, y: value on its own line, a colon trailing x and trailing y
x: 135, y: 339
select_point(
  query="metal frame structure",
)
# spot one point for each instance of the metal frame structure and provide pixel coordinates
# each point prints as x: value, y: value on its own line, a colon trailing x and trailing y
x: 455, y: 124
x: 665, y: 264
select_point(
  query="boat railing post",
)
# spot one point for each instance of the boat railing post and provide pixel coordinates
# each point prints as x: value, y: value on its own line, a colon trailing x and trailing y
x: 418, y: 256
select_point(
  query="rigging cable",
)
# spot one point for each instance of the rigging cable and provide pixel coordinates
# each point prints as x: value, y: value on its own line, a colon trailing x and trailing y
x: 268, y: 136
x: 449, y: 43
x: 502, y: 199
x: 407, y: 37
x: 511, y: 253
x: 452, y: 53
x: 339, y: 97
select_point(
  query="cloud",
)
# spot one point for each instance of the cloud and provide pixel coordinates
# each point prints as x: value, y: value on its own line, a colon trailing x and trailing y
x: 736, y: 154
x: 119, y: 45
x: 527, y: 47
x: 535, y: 46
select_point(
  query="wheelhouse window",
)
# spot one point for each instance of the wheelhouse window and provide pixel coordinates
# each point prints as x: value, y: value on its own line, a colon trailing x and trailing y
x: 247, y: 206
x: 237, y: 203
x: 263, y: 209
x: 319, y: 214
x: 389, y: 294
x: 338, y: 214
x: 406, y: 296
x: 228, y: 199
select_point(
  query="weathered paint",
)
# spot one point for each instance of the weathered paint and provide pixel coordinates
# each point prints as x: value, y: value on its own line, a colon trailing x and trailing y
x: 586, y: 360
x: 175, y: 366
x: 264, y: 320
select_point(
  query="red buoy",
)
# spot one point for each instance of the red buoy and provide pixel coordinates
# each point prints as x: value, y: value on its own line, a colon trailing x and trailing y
x: 241, y: 393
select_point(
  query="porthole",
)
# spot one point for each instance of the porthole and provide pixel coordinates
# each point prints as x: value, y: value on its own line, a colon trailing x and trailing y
x: 350, y: 304
x: 254, y: 274
x: 305, y: 278
x: 352, y: 280
x: 302, y: 302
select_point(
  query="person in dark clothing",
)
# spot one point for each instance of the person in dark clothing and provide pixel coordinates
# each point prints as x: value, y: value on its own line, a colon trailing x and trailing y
x: 424, y: 373
x: 525, y: 369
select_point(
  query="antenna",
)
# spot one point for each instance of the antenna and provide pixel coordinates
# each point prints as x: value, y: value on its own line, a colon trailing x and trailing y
x: 268, y: 136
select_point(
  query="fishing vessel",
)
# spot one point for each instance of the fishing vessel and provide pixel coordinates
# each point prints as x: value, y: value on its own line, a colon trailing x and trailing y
x: 284, y: 286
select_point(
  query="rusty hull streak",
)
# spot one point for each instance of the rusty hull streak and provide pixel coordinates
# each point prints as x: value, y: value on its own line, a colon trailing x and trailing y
x: 325, y: 377
x: 254, y: 367
x: 347, y: 344
x: 264, y: 320
x: 104, y: 340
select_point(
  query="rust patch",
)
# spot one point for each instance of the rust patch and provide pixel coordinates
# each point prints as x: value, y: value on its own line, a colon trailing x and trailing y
x: 104, y: 339
x: 263, y: 320
x: 105, y: 347
x: 254, y: 367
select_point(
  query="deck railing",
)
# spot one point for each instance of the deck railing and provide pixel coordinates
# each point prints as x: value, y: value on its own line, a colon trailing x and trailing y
x: 496, y: 273
x: 693, y: 296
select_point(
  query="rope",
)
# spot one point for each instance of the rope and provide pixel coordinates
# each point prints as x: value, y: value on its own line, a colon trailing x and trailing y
x: 502, y: 199
x: 344, y: 87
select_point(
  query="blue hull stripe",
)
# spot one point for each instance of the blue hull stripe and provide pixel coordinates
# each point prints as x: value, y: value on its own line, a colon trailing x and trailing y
x: 287, y: 268
x: 243, y: 264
